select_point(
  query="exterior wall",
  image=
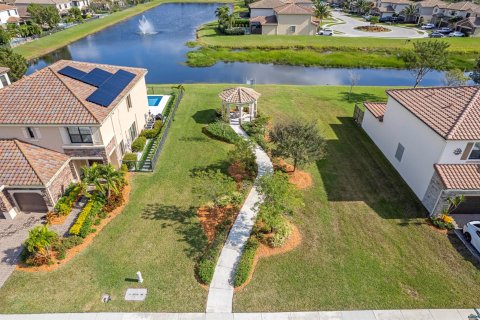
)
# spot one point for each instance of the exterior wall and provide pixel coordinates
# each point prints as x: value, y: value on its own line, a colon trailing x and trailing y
x: 432, y: 195
x: 4, y: 15
x: 64, y: 7
x: 425, y: 13
x: 7, y: 209
x: 423, y: 147
x: 88, y: 153
x: 60, y: 182
x: 269, y: 30
x: 449, y: 157
x: 261, y: 12
x: 7, y: 78
x: 301, y: 22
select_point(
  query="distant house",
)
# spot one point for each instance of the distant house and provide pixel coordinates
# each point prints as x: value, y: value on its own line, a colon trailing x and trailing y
x: 432, y: 138
x: 60, y: 119
x: 8, y: 14
x: 62, y: 6
x: 462, y: 16
x: 275, y: 17
x: 426, y: 9
x: 388, y: 8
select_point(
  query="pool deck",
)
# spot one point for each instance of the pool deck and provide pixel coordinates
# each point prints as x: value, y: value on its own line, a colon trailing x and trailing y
x: 159, y: 109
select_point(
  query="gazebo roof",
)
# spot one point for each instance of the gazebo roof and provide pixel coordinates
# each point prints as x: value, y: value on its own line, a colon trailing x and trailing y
x: 239, y: 95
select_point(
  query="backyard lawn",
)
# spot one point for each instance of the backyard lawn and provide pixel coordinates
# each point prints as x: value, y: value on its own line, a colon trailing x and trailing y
x: 365, y: 241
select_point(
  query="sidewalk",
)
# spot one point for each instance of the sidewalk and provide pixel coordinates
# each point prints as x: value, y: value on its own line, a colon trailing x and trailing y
x: 420, y: 314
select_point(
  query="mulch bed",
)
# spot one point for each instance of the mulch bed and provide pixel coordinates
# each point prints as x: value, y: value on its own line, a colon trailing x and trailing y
x: 301, y: 179
x: 211, y: 217
x: 372, y: 29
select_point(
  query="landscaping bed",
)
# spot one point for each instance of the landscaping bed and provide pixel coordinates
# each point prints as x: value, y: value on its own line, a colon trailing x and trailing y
x: 372, y: 29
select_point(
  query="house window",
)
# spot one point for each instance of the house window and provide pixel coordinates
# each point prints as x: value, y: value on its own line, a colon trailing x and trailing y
x: 129, y: 102
x: 80, y: 134
x: 475, y: 154
x: 133, y: 131
x: 292, y: 29
x: 31, y: 133
x: 399, y: 152
x: 4, y: 81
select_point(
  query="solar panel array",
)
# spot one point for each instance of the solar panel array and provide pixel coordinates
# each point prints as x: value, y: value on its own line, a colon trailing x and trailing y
x: 109, y: 85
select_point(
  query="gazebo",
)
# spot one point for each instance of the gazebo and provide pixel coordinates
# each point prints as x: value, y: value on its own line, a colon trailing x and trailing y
x: 239, y: 104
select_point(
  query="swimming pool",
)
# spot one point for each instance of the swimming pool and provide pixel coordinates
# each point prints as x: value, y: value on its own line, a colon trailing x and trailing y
x: 154, y: 101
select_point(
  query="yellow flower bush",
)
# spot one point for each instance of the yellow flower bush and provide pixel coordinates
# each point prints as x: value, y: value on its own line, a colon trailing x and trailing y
x: 447, y: 219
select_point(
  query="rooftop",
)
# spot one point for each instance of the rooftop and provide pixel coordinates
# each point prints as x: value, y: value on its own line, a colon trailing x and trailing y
x: 263, y: 20
x: 459, y: 176
x: 4, y: 70
x: 452, y: 112
x: 47, y: 97
x: 24, y: 164
x: 239, y: 95
x: 270, y: 4
x: 293, y: 8
x: 376, y: 108
x: 46, y: 2
x: 4, y: 7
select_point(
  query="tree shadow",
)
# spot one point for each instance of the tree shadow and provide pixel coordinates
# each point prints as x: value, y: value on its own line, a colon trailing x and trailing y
x: 184, y: 223
x: 360, y: 97
x: 205, y: 116
x: 356, y: 170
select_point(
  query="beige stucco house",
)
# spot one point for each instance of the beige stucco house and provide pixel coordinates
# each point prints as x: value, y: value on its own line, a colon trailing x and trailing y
x: 388, y: 8
x: 82, y: 120
x: 275, y: 17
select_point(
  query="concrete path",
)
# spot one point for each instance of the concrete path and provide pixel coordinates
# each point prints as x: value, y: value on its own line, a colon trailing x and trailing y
x: 347, y: 29
x: 419, y: 314
x: 220, y: 294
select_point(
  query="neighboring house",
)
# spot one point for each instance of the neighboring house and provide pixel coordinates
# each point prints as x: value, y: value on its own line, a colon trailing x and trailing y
x: 388, y: 8
x: 432, y: 138
x: 8, y: 14
x: 4, y: 79
x: 62, y: 6
x: 94, y: 119
x: 462, y: 16
x: 81, y: 4
x: 273, y: 17
x: 425, y: 10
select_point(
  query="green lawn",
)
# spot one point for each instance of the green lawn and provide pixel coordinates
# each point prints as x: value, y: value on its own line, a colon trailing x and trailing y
x: 365, y: 244
x: 57, y: 40
x: 318, y: 51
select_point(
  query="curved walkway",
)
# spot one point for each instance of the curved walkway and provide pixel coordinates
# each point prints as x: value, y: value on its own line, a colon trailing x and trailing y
x: 220, y: 294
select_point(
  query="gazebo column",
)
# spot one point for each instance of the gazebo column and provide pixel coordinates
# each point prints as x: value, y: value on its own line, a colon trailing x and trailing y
x: 241, y: 114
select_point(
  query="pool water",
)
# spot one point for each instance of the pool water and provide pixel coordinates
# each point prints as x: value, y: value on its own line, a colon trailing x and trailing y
x: 154, y: 101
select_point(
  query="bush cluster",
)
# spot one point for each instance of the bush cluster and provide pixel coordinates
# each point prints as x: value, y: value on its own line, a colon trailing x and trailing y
x: 443, y: 221
x: 152, y: 133
x: 257, y: 129
x: 114, y: 201
x: 221, y: 131
x: 138, y: 144
x: 83, y: 225
x: 129, y: 156
x: 70, y: 197
x: 235, y: 31
x: 245, y: 264
x: 63, y: 244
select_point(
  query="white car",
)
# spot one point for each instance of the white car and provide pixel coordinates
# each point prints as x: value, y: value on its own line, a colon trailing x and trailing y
x: 471, y: 231
x: 338, y: 9
x: 428, y: 26
x: 456, y: 34
x: 326, y: 32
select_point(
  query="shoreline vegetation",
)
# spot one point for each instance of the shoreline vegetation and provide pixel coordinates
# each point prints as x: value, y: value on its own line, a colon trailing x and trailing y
x: 213, y: 47
x: 39, y: 47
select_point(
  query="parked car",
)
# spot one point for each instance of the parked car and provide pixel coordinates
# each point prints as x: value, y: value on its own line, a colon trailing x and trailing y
x: 436, y: 34
x: 471, y: 231
x: 428, y: 26
x: 325, y: 32
x: 398, y: 19
x: 456, y: 34
x: 445, y: 30
x: 385, y: 19
x: 338, y: 9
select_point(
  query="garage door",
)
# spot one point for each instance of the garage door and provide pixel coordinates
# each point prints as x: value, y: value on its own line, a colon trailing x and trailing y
x: 30, y: 202
x: 470, y: 205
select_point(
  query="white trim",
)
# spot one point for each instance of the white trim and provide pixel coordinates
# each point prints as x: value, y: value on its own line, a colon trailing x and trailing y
x: 86, y: 158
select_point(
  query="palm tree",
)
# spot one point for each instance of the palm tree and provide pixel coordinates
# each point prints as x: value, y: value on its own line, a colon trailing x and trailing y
x: 321, y: 11
x: 180, y: 88
x: 40, y: 240
x: 222, y: 11
x: 105, y: 178
x: 363, y: 6
x: 409, y: 12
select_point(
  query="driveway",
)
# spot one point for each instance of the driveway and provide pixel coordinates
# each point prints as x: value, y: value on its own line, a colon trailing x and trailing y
x: 347, y: 29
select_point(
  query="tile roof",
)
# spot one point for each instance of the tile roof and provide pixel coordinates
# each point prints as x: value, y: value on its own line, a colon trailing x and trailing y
x: 376, y: 108
x: 270, y: 4
x: 459, y: 176
x: 4, y: 70
x: 51, y: 2
x: 265, y: 20
x: 239, y: 95
x: 24, y: 164
x: 470, y: 22
x: 431, y: 3
x: 462, y: 6
x: 398, y: 1
x: 452, y: 112
x: 47, y: 97
x: 4, y: 7
x: 293, y: 8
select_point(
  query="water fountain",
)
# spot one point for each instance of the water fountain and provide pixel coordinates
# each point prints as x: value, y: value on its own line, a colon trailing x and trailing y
x: 146, y: 27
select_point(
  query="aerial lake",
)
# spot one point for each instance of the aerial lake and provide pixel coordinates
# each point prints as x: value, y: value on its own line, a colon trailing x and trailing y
x: 163, y: 54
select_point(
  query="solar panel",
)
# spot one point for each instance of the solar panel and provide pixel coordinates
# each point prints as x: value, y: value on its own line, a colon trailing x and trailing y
x: 111, y: 88
x: 72, y: 73
x: 96, y: 77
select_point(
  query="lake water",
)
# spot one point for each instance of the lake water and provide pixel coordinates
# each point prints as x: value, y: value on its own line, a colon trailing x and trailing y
x: 163, y: 54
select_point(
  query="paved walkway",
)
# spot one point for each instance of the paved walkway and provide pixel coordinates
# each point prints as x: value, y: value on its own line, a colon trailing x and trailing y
x: 220, y: 294
x: 420, y: 314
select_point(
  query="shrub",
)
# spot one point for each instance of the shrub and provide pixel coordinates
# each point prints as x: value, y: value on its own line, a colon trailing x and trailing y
x: 139, y: 144
x: 114, y: 201
x: 280, y: 235
x: 65, y: 203
x: 237, y: 31
x: 152, y: 133
x: 39, y: 243
x: 83, y: 224
x: 75, y: 229
x: 441, y: 224
x: 243, y: 155
x: 221, y: 131
x: 206, y: 264
x: 73, y: 241
x: 129, y: 157
x: 245, y: 264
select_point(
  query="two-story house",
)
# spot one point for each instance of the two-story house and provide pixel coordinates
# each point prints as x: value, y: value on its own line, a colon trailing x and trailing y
x: 8, y: 14
x: 4, y: 79
x: 426, y: 9
x: 62, y: 6
x: 275, y: 17
x: 455, y: 14
x: 73, y: 112
x: 431, y: 136
x: 388, y: 8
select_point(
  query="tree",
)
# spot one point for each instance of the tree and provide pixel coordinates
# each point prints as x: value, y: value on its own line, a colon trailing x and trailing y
x: 105, y: 178
x: 409, y: 12
x: 455, y: 77
x: 5, y: 37
x: 222, y: 11
x: 180, y: 88
x: 374, y: 20
x: 425, y: 57
x: 243, y: 155
x: 15, y: 62
x: 301, y: 142
x: 321, y: 11
x: 44, y: 15
x: 75, y: 14
x: 475, y: 75
x: 40, y: 241
x: 353, y: 78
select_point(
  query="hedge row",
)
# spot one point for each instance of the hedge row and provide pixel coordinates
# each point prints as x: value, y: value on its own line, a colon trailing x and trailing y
x: 152, y: 133
x: 221, y: 131
x: 83, y: 225
x: 245, y: 264
x: 138, y: 144
x: 65, y: 203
